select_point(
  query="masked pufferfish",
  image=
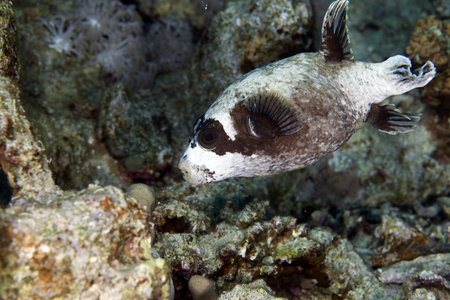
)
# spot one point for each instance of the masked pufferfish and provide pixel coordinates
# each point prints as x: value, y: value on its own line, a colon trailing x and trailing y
x: 294, y: 111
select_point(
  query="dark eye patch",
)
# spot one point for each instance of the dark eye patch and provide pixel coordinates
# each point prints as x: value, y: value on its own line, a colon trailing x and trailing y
x: 260, y: 119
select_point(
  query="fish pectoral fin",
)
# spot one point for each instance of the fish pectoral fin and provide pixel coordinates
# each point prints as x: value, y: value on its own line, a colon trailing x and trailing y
x: 390, y: 119
x: 335, y: 39
x: 270, y: 115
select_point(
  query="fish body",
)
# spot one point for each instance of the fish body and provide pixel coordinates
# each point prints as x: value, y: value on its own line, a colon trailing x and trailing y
x: 294, y: 111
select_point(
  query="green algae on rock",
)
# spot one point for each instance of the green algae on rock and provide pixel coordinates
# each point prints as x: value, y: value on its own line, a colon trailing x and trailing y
x: 9, y: 66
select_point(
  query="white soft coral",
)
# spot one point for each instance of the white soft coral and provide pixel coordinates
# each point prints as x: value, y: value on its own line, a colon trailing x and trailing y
x: 112, y: 33
x: 104, y: 22
x: 63, y: 35
x: 109, y: 31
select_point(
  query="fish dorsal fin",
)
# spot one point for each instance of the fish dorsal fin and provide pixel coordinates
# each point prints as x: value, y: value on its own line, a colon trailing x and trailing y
x: 270, y: 115
x: 335, y: 39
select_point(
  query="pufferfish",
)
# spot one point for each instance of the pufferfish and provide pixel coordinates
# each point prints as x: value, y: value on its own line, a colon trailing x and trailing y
x: 292, y: 112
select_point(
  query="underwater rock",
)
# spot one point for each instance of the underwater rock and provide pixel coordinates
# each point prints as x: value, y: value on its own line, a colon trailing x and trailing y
x: 202, y: 288
x: 444, y: 203
x: 134, y: 163
x: 442, y: 7
x: 176, y: 216
x: 238, y: 242
x: 93, y: 244
x: 248, y: 34
x: 198, y: 12
x: 171, y: 43
x: 135, y: 129
x: 239, y: 245
x: 22, y: 156
x: 401, y: 242
x: 61, y: 95
x: 426, y: 275
x: 398, y: 170
x: 255, y: 290
x: 143, y: 194
x: 9, y: 66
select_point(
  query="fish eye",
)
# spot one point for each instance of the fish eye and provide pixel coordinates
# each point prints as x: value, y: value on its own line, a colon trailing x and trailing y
x: 207, y: 138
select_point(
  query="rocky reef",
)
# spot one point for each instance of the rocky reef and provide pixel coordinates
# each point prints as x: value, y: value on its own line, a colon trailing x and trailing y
x: 93, y: 244
x: 430, y: 41
x: 92, y: 203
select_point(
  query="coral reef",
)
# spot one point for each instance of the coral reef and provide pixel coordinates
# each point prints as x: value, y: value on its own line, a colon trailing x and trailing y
x: 430, y: 40
x: 242, y: 247
x: 111, y: 34
x: 371, y: 221
x: 398, y: 237
x: 94, y: 244
x: 237, y: 242
x: 237, y: 32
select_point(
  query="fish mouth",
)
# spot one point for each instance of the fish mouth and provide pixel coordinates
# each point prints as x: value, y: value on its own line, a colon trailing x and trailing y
x: 184, y: 168
x: 190, y: 174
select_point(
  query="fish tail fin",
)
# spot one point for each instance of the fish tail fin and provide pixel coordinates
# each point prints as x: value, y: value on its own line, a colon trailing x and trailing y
x: 400, y: 76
